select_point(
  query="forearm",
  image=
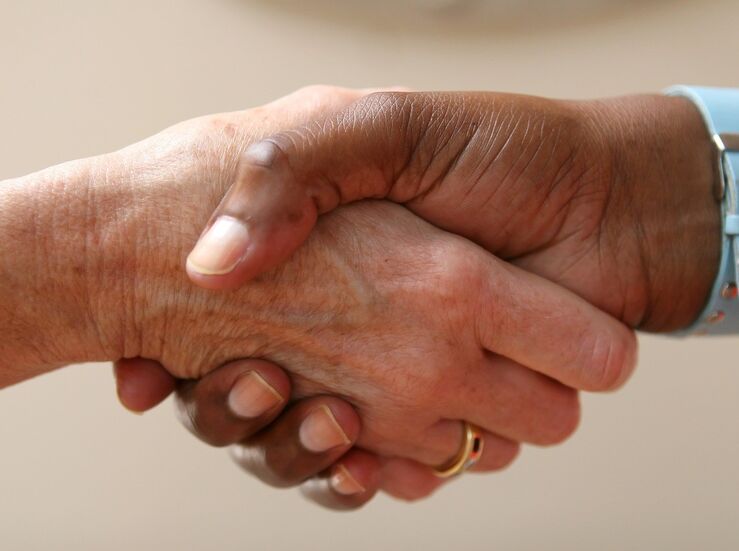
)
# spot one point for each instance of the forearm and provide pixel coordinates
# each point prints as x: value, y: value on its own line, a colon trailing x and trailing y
x: 50, y: 242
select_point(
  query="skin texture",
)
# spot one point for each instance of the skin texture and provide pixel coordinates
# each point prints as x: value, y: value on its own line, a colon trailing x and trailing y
x: 177, y: 145
x: 268, y: 447
x: 415, y: 327
x: 583, y: 193
x: 351, y: 339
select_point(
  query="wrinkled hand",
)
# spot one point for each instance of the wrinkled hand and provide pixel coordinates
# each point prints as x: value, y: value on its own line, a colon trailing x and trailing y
x: 611, y: 199
x: 376, y: 291
x: 405, y: 349
x: 416, y: 328
x: 406, y: 322
x: 592, y: 370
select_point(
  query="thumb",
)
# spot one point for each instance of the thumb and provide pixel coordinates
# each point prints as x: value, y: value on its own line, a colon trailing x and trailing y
x: 286, y: 181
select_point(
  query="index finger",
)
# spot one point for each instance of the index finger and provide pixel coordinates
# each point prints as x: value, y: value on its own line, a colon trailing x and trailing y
x: 548, y: 328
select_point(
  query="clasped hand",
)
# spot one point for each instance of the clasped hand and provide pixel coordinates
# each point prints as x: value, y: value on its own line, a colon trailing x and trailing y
x: 343, y: 345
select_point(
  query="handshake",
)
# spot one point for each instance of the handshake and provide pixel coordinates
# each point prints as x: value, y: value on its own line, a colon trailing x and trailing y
x: 390, y: 286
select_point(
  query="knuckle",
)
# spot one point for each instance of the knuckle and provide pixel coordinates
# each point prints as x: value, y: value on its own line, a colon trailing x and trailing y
x: 196, y: 133
x: 465, y: 277
x: 215, y: 124
x: 460, y: 268
x: 198, y: 145
x: 454, y: 281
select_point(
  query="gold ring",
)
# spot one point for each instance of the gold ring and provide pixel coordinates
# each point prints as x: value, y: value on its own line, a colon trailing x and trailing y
x: 468, y: 455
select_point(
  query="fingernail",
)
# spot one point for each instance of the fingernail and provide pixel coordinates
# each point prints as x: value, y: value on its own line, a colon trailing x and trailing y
x: 252, y: 396
x: 321, y: 432
x: 221, y: 248
x: 344, y: 483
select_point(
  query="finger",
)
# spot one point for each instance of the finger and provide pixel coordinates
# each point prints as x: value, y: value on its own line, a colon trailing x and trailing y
x: 347, y: 484
x: 306, y: 439
x: 141, y: 384
x: 408, y: 480
x: 576, y: 343
x: 287, y: 180
x: 515, y: 402
x: 498, y: 452
x: 233, y: 402
x: 440, y: 443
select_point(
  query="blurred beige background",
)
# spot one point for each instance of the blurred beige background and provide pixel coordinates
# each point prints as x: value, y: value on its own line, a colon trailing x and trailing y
x: 654, y: 466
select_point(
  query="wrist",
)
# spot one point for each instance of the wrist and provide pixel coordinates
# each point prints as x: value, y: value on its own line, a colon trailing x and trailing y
x: 51, y: 251
x: 663, y: 203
